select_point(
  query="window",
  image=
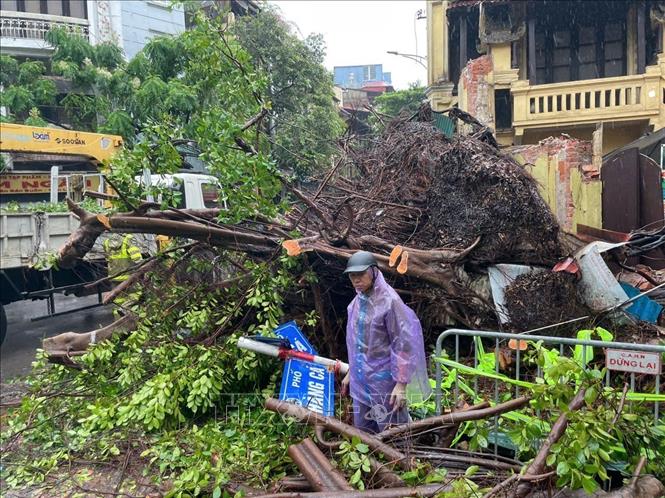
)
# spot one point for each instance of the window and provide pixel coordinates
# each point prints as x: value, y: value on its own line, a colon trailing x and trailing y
x: 462, y: 40
x: 370, y: 73
x: 67, y: 8
x: 9, y: 5
x: 503, y: 109
x: 210, y: 193
x: 578, y: 44
x: 54, y: 7
x: 77, y: 8
x: 33, y: 6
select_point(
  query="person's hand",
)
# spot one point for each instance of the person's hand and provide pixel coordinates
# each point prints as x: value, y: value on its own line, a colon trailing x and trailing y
x: 398, y: 396
x: 345, y: 384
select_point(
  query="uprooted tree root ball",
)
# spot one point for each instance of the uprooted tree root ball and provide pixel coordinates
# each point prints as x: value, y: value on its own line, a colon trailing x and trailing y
x: 537, y: 299
x: 419, y: 188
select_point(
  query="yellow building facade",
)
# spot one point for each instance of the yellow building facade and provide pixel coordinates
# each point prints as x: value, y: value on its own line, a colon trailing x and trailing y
x: 565, y: 66
x: 590, y: 70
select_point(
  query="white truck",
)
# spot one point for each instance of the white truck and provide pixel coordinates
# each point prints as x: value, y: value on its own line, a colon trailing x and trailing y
x: 44, y: 164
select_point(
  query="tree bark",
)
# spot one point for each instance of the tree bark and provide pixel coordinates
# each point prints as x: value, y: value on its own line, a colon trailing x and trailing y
x: 453, y: 418
x: 537, y: 466
x: 69, y: 342
x: 309, y: 417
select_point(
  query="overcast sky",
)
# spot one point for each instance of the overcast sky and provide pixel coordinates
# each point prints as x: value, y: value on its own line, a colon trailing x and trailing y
x: 360, y: 32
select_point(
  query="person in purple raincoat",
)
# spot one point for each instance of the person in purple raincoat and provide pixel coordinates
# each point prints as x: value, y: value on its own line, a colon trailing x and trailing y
x: 384, y: 340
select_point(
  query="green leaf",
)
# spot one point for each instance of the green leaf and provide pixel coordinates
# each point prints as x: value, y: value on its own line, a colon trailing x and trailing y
x: 471, y: 471
x: 590, y: 395
x: 362, y: 448
x: 217, y: 492
x: 589, y: 485
x: 562, y: 468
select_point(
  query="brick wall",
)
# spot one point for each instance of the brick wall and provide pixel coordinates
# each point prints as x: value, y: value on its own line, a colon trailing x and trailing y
x: 475, y: 93
x: 568, y: 181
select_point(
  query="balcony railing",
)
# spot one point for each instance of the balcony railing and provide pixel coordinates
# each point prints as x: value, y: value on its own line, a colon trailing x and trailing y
x: 621, y: 98
x: 30, y: 26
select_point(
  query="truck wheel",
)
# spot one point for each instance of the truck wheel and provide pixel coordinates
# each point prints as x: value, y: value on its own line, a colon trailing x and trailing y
x: 3, y: 324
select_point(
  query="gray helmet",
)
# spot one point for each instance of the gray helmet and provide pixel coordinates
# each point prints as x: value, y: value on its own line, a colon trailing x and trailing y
x: 360, y: 261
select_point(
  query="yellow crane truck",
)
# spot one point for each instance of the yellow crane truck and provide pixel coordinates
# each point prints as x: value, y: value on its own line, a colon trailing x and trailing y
x: 40, y: 166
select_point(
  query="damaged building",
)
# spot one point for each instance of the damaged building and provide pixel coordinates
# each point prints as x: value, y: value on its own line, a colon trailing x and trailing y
x: 569, y: 87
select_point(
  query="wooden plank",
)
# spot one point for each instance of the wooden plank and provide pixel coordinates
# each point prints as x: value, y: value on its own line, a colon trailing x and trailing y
x: 601, y: 234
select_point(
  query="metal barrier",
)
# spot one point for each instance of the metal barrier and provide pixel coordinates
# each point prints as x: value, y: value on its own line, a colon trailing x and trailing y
x: 561, y: 341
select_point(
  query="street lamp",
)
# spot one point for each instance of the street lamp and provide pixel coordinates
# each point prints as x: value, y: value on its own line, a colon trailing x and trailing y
x: 416, y: 58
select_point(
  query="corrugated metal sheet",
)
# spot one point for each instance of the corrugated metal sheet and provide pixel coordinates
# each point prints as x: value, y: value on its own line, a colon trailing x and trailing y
x: 444, y: 123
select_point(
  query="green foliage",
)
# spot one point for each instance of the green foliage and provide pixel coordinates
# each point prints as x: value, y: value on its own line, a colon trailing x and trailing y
x: 305, y: 122
x: 592, y: 440
x: 405, y: 102
x: 29, y: 71
x: 393, y: 104
x: 354, y: 458
x: 8, y: 70
x: 161, y: 389
x: 25, y: 87
x: 212, y: 75
x: 18, y: 99
x: 164, y: 392
x: 34, y: 118
x: 424, y: 474
x: 118, y: 123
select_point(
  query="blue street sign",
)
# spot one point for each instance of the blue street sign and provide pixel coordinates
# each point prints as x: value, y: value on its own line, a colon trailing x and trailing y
x: 308, y: 385
x: 299, y: 342
x: 304, y: 383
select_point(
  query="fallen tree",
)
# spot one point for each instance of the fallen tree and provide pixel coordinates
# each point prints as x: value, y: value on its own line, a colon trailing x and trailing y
x: 436, y: 212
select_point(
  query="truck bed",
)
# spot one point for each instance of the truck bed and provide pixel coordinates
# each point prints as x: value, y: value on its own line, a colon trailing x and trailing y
x: 24, y: 235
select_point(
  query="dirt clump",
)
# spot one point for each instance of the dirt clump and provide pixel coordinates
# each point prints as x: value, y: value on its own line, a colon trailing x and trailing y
x: 538, y: 299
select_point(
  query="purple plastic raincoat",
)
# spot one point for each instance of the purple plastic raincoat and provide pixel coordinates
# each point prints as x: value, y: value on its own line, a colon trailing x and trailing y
x: 384, y: 340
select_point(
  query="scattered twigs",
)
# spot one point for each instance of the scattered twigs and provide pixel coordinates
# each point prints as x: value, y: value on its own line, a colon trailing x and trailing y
x: 419, y: 491
x: 255, y: 119
x: 131, y: 280
x: 319, y: 430
x: 638, y: 470
x: 558, y: 430
x: 382, y: 476
x: 334, y: 425
x: 516, y: 478
x: 285, y: 484
x: 448, y: 434
x: 487, y: 462
x: 429, y: 256
x: 621, y: 403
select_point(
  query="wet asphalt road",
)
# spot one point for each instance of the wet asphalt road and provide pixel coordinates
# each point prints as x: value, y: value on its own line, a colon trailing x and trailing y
x: 25, y: 336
